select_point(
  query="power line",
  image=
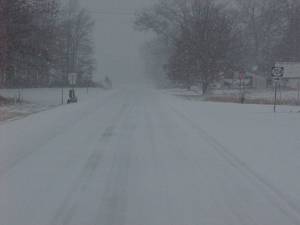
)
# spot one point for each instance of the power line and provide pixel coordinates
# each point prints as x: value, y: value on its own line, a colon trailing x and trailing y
x: 112, y: 13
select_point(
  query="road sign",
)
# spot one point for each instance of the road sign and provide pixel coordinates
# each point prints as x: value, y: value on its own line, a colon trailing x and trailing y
x: 277, y: 72
x: 72, y: 77
x: 242, y: 76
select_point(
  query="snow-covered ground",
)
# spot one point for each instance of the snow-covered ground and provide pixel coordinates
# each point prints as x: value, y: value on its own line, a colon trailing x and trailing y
x: 258, y: 96
x: 39, y: 99
x: 267, y: 94
x: 144, y: 157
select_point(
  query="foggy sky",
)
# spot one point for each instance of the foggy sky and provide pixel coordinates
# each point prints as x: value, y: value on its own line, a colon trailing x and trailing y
x: 117, y: 44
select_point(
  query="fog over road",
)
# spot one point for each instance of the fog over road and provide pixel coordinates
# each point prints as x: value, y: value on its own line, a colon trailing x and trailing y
x: 130, y: 157
x: 117, y: 45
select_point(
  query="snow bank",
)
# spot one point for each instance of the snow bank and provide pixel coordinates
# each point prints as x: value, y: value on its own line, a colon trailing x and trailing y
x: 39, y: 99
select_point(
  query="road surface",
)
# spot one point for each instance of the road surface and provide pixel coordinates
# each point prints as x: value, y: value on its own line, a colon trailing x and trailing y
x: 129, y: 157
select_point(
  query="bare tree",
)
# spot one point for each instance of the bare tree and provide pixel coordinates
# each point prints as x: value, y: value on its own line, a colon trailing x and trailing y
x: 155, y: 57
x: 76, y: 36
x: 264, y: 25
x: 289, y: 47
x: 40, y: 43
x: 3, y: 41
x: 206, y: 38
x: 200, y: 35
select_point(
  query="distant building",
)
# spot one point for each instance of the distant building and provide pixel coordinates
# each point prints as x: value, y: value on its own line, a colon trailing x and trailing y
x: 291, y: 76
x: 258, y: 82
x: 248, y: 80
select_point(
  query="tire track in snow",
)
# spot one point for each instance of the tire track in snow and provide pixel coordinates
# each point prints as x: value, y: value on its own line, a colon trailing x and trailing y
x: 160, y: 167
x: 236, y: 208
x: 113, y: 202
x: 58, y: 131
x: 274, y: 195
x: 66, y: 211
x: 166, y: 119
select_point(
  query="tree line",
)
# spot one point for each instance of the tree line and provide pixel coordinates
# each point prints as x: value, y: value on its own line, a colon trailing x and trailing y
x: 202, y: 41
x: 43, y: 41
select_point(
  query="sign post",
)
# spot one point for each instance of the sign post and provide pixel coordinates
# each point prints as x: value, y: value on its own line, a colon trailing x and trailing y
x: 72, y: 81
x: 275, y: 98
x: 298, y: 95
x: 242, y: 88
x: 277, y: 74
x: 62, y: 95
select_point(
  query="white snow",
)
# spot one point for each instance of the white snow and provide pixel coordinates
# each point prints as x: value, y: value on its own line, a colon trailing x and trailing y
x: 48, y: 96
x: 284, y: 96
x: 143, y: 157
x: 39, y: 99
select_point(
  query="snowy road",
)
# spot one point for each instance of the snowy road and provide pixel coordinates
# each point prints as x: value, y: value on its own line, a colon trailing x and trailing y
x: 140, y: 157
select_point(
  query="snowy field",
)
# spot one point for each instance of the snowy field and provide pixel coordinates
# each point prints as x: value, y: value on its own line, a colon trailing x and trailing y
x: 284, y: 96
x: 145, y: 157
x: 39, y: 99
x: 258, y: 96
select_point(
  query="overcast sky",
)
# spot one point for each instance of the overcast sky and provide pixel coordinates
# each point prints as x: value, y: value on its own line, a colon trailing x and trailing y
x: 117, y: 44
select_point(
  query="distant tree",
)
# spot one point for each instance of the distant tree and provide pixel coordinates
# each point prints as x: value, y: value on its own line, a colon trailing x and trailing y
x: 18, y: 21
x: 205, y: 39
x: 28, y: 27
x: 289, y: 47
x: 40, y: 58
x: 41, y: 42
x: 155, y: 57
x: 200, y: 35
x: 77, y: 26
x: 3, y: 41
x: 264, y: 25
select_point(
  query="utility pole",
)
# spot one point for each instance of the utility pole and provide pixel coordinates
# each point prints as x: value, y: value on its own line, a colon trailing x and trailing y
x: 68, y: 53
x: 277, y: 74
x: 62, y: 95
x: 275, y: 97
x: 242, y: 88
x: 19, y: 95
x: 298, y: 95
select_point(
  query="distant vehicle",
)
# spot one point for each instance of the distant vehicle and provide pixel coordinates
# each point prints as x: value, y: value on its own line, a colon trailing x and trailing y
x: 107, y: 83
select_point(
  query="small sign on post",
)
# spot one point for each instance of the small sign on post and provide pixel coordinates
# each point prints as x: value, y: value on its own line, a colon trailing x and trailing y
x: 72, y: 77
x: 277, y: 74
x: 275, y: 98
